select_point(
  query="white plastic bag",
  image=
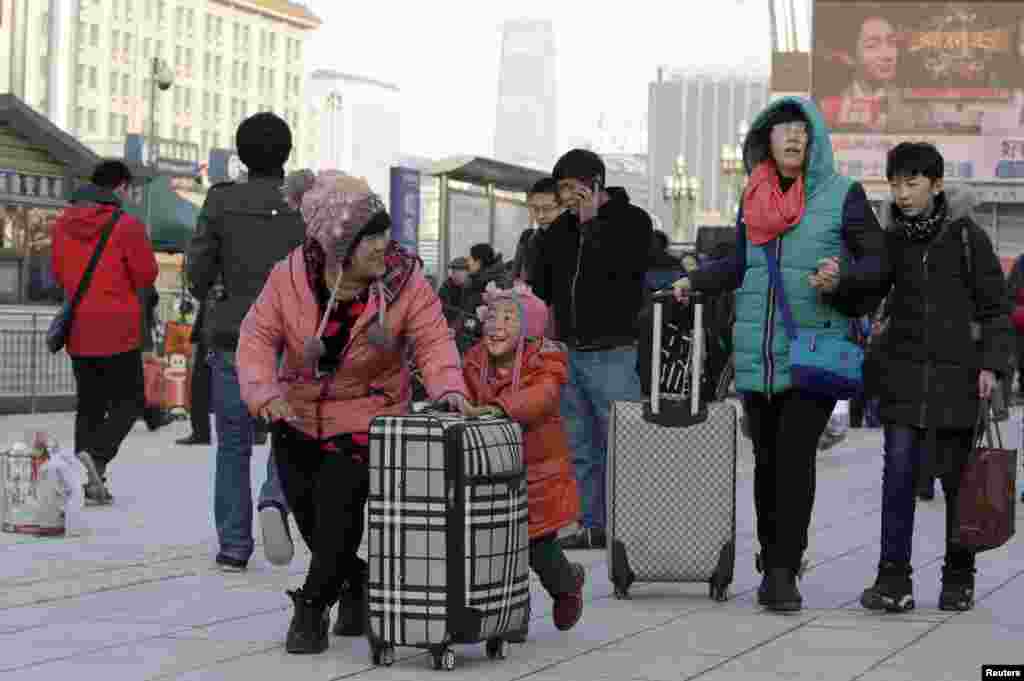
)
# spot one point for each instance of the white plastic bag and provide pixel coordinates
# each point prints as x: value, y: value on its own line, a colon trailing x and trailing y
x: 71, y: 476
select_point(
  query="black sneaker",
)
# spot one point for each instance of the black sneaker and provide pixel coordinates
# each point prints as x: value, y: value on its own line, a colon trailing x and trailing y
x: 583, y: 539
x: 893, y: 590
x: 926, y: 491
x: 307, y: 634
x: 781, y: 594
x: 762, y: 590
x: 229, y: 564
x: 193, y: 439
x: 957, y: 590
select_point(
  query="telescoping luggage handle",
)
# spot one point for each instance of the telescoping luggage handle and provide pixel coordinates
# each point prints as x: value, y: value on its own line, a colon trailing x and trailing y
x: 656, y: 412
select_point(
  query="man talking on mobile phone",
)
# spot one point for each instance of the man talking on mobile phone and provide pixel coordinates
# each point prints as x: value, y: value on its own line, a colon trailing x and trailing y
x: 591, y: 273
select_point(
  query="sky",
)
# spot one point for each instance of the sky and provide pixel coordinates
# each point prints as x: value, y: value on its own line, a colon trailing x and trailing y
x: 444, y: 56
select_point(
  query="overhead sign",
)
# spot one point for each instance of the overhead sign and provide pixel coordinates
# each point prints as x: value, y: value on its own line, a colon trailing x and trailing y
x: 405, y: 207
x: 225, y: 166
x: 174, y: 158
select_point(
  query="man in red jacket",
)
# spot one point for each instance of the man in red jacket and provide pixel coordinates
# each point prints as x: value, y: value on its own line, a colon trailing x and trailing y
x: 106, y: 336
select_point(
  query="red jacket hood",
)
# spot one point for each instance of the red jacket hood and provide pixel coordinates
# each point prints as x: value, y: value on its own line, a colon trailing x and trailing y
x: 83, y: 222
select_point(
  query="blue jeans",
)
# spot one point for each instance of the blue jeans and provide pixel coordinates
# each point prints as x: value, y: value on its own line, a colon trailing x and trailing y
x: 596, y: 379
x: 903, y: 446
x: 232, y: 484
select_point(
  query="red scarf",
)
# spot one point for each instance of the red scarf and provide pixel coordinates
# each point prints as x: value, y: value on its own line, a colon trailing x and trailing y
x: 768, y: 211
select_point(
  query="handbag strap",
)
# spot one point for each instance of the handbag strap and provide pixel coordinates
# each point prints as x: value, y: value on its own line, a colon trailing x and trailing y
x: 83, y: 284
x: 986, y: 421
x: 775, y: 279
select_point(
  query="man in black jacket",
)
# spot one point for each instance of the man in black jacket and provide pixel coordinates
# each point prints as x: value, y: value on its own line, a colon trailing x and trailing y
x: 243, y: 231
x: 947, y: 341
x: 591, y: 274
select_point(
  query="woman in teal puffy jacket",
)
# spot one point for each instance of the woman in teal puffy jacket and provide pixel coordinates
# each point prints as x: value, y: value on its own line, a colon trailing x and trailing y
x: 809, y: 216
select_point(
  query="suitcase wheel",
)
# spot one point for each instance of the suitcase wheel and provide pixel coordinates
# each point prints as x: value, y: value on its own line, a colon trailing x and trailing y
x: 718, y: 592
x: 621, y: 592
x: 444, y: 659
x: 496, y: 649
x: 383, y: 656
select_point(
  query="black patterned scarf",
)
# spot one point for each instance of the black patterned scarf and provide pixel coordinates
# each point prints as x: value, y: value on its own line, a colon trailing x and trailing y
x: 923, y: 227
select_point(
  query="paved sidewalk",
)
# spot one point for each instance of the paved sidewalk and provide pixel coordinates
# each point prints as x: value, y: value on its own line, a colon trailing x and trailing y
x: 137, y: 598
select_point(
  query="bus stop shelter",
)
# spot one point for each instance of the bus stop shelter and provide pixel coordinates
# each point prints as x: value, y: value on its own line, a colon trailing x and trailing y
x: 481, y: 201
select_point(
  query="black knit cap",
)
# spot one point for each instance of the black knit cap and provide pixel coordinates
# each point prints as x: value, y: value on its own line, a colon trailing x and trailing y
x: 580, y: 164
x: 264, y: 142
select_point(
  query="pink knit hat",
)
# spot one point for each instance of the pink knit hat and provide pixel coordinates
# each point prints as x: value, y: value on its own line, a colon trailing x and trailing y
x: 337, y: 209
x: 533, y: 318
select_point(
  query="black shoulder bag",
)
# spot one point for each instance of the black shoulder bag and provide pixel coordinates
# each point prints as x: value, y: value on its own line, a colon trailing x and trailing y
x: 60, y: 327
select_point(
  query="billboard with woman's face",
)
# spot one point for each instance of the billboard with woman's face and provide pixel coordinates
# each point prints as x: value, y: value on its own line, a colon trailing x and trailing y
x: 916, y: 67
x: 951, y: 73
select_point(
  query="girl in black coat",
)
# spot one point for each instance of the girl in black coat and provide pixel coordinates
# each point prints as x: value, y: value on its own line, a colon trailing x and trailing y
x: 947, y: 340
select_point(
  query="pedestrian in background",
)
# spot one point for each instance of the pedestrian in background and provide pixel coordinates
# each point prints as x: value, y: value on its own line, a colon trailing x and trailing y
x: 542, y: 203
x: 243, y: 230
x: 105, y: 344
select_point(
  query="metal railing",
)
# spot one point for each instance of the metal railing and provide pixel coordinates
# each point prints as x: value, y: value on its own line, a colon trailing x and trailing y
x: 27, y: 369
x: 29, y: 374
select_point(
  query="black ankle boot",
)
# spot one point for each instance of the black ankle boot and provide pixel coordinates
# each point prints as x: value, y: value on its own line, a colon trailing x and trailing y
x: 781, y: 594
x: 307, y: 633
x: 351, y: 612
x: 893, y: 590
x: 957, y: 589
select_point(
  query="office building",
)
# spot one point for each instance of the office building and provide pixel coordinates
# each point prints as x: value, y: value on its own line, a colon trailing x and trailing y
x: 229, y: 59
x: 525, y: 131
x: 693, y: 113
x: 358, y: 125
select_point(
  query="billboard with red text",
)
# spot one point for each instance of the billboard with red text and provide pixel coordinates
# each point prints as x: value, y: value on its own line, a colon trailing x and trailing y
x: 951, y: 73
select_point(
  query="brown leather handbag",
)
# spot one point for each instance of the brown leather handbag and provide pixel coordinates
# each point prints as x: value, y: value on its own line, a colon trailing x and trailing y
x: 986, y: 505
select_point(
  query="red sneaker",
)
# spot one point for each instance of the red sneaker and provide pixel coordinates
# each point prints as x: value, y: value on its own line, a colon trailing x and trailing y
x: 569, y: 606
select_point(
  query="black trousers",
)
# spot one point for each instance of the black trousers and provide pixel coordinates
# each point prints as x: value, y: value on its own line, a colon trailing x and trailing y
x: 785, y: 429
x: 200, y: 398
x: 553, y: 569
x: 111, y: 395
x: 327, y: 491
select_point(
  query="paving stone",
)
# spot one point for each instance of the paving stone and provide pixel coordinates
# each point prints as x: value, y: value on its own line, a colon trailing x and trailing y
x: 67, y: 639
x: 159, y: 658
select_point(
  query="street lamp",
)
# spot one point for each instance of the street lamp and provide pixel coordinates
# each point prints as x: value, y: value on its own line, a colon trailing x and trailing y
x: 162, y: 78
x: 680, y: 188
x: 732, y: 167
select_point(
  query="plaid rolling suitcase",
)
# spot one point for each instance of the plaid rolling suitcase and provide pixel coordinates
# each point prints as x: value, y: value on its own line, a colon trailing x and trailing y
x: 448, y: 537
x: 672, y: 481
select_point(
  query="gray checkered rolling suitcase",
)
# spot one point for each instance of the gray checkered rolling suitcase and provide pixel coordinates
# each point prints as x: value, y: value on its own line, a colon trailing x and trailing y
x: 448, y: 537
x: 672, y: 482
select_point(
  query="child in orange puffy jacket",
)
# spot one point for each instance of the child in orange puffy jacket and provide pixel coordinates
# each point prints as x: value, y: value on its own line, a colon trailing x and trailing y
x: 516, y: 373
